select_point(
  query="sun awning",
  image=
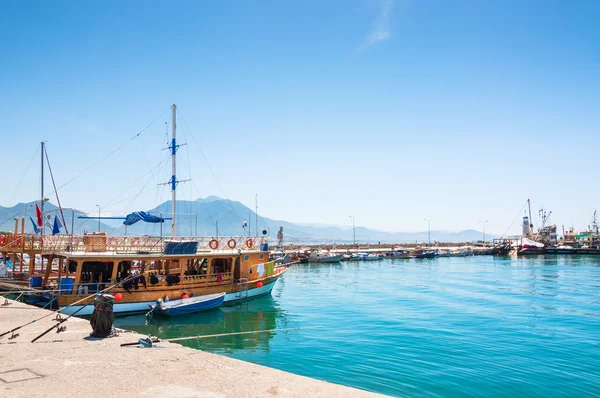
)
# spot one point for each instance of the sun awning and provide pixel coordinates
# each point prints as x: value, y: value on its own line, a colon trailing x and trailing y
x: 136, y: 216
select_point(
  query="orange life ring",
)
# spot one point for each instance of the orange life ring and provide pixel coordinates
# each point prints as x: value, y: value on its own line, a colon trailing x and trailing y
x: 2, y: 240
x: 249, y: 243
x: 231, y: 243
x: 213, y: 244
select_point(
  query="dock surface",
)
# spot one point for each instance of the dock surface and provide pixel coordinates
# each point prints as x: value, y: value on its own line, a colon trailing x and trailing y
x: 71, y: 364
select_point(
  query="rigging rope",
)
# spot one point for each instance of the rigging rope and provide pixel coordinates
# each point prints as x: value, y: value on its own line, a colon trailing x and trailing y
x: 56, y: 192
x: 20, y: 182
x: 511, y: 224
x: 111, y: 153
x: 209, y: 168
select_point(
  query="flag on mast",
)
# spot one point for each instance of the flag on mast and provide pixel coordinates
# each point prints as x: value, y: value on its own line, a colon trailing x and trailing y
x: 38, y: 213
x: 35, y: 227
x: 57, y: 226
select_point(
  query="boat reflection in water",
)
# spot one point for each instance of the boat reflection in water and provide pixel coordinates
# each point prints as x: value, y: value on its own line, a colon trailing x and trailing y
x: 258, y: 314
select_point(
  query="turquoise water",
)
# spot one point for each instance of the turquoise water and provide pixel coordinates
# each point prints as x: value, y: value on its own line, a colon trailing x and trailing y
x: 475, y: 326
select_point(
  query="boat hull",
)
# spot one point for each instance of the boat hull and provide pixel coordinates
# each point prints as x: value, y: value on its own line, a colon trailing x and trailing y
x: 121, y: 308
x: 426, y: 255
x: 331, y: 259
x: 210, y: 302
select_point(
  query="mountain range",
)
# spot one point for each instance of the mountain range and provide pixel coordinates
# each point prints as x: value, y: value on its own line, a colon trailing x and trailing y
x: 213, y: 215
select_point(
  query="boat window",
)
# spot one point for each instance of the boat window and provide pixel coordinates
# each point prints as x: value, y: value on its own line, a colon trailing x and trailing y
x: 220, y: 265
x: 247, y: 257
x: 96, y: 272
x: 261, y: 256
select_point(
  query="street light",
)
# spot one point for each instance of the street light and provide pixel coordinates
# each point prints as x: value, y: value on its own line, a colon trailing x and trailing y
x: 429, y: 229
x: 98, y: 218
x: 354, y: 229
x: 483, y: 226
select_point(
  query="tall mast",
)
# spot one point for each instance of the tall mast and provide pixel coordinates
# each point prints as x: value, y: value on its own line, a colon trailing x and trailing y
x: 173, y: 170
x: 42, y: 188
x: 530, y: 219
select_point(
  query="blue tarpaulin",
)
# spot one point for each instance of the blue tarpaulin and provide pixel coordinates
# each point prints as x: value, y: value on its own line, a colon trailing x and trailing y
x: 136, y: 216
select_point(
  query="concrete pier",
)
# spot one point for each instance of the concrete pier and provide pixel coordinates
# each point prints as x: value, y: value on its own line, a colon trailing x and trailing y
x: 69, y: 364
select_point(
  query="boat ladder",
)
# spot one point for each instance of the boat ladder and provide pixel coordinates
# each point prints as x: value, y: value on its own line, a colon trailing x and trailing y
x: 242, y: 292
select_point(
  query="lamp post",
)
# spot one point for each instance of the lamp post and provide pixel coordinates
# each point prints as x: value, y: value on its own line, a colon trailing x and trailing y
x: 483, y: 227
x: 429, y: 229
x: 354, y: 230
x: 98, y: 218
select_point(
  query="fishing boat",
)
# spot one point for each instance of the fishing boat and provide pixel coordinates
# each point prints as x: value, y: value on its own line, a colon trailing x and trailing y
x: 323, y: 256
x: 189, y: 305
x: 529, y: 247
x: 402, y: 254
x: 427, y: 254
x: 137, y: 270
x: 368, y: 257
x: 460, y: 252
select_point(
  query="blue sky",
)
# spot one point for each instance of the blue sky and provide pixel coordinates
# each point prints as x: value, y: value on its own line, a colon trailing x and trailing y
x: 391, y: 111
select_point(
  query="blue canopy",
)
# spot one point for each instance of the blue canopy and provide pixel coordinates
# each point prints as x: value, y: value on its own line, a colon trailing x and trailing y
x: 136, y: 216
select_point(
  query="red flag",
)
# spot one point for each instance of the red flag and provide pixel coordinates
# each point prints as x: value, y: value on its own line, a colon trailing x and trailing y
x: 38, y: 213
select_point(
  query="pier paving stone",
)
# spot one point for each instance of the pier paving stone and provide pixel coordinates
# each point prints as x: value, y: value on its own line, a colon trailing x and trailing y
x: 69, y: 364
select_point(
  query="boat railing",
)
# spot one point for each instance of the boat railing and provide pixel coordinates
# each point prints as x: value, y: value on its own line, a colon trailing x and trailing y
x: 100, y: 243
x: 210, y: 278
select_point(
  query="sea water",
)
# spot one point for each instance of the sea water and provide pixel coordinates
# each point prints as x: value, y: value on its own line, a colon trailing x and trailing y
x: 474, y: 326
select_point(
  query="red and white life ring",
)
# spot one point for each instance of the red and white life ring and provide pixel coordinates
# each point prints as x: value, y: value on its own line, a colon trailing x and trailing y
x: 2, y: 240
x: 231, y: 243
x: 249, y: 243
x: 213, y: 244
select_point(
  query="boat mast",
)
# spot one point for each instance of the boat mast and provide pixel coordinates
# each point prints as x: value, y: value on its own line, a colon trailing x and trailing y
x: 530, y: 219
x: 42, y: 189
x: 173, y: 170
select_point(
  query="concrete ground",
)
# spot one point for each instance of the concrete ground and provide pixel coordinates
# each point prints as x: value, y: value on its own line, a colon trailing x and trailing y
x: 68, y: 365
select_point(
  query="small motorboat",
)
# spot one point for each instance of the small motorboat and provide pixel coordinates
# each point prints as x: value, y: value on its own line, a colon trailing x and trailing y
x: 399, y: 254
x: 427, y: 254
x: 322, y: 256
x: 368, y: 257
x: 188, y: 305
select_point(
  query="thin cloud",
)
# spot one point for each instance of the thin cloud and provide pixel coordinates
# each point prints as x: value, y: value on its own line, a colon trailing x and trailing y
x: 381, y: 26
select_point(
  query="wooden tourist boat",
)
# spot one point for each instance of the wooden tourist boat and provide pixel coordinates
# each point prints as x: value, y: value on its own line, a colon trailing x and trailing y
x: 78, y: 266
x: 64, y: 270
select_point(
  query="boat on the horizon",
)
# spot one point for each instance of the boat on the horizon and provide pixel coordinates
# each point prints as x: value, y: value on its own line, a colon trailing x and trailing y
x: 324, y: 256
x: 368, y: 257
x: 427, y: 254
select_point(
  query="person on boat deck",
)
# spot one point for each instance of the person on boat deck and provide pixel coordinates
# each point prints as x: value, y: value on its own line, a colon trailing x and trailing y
x: 203, y: 268
x: 153, y: 279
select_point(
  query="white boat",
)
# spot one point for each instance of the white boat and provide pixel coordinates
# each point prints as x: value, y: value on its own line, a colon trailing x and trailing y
x: 322, y: 256
x: 368, y: 257
x: 461, y: 252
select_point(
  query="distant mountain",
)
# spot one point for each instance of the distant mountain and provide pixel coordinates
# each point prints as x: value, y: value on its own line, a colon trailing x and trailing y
x: 8, y: 214
x: 204, y: 216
